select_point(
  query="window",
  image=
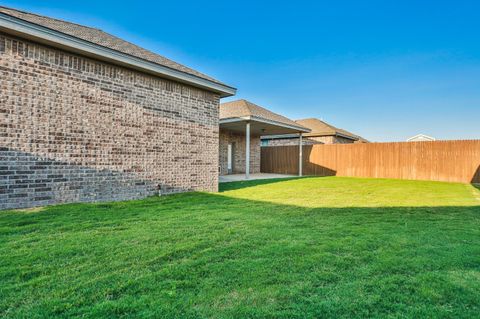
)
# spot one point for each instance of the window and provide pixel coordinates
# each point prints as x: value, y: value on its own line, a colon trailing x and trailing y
x: 264, y: 142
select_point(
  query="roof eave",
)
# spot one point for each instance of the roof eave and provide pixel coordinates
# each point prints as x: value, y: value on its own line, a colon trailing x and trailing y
x: 333, y: 134
x: 421, y: 135
x: 58, y: 39
x: 263, y: 120
x: 280, y: 136
x: 347, y: 136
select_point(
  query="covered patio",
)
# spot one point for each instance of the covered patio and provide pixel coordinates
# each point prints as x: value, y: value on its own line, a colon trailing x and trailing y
x: 241, y: 125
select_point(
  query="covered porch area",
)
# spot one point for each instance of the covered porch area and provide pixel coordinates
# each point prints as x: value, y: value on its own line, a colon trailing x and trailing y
x: 241, y: 125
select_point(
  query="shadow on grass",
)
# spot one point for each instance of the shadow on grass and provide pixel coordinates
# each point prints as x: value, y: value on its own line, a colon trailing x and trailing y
x: 273, y: 160
x: 476, y: 177
x: 234, y: 257
x: 229, y: 186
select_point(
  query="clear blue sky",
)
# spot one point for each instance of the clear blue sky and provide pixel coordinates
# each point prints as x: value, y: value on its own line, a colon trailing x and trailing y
x: 386, y: 70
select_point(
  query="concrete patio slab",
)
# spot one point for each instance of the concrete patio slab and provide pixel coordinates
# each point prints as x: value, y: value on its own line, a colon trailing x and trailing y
x: 241, y: 177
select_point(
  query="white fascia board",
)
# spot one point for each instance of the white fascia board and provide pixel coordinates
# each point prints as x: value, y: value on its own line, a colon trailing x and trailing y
x: 262, y: 120
x: 234, y: 119
x: 55, y: 38
x: 292, y: 127
x: 347, y: 137
x: 289, y: 136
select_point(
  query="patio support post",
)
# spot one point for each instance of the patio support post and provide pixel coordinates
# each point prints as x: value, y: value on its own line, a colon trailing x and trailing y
x: 247, y: 151
x: 300, y: 156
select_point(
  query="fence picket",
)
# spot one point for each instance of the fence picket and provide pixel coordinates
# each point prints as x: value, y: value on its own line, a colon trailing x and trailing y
x: 452, y: 161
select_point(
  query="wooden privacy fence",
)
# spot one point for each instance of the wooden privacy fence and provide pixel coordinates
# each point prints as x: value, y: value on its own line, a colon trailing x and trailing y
x: 452, y: 161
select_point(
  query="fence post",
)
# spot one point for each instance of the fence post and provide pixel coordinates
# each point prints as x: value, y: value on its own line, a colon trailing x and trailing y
x: 300, y: 156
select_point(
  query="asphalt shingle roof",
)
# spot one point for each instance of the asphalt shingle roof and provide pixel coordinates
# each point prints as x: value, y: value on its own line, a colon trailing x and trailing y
x: 101, y: 38
x: 244, y: 108
x: 321, y: 128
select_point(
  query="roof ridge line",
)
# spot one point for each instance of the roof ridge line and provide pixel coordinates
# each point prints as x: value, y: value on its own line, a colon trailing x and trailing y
x: 47, y: 17
x: 248, y: 104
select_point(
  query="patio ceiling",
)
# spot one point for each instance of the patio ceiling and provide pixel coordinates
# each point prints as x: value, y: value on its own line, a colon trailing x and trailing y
x: 259, y: 126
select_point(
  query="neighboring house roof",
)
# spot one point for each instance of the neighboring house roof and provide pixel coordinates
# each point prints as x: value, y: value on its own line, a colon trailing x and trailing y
x: 98, y: 38
x: 245, y: 110
x: 420, y: 138
x: 321, y: 128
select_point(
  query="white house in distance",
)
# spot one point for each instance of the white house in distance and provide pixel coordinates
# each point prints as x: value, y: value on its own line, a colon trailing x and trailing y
x: 421, y: 138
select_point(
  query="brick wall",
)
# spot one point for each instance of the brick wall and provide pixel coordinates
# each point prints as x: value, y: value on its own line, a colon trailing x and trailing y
x: 80, y: 130
x: 238, y: 141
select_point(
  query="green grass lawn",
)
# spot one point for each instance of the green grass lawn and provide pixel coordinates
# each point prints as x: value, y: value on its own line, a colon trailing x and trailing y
x: 301, y: 248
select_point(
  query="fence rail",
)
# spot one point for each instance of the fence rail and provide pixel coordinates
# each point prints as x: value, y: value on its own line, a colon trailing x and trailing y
x: 452, y: 161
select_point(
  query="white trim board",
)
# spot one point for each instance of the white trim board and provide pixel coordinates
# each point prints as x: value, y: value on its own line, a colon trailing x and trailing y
x: 262, y: 120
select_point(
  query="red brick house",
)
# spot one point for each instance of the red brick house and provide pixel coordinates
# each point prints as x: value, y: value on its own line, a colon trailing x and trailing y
x: 87, y: 116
